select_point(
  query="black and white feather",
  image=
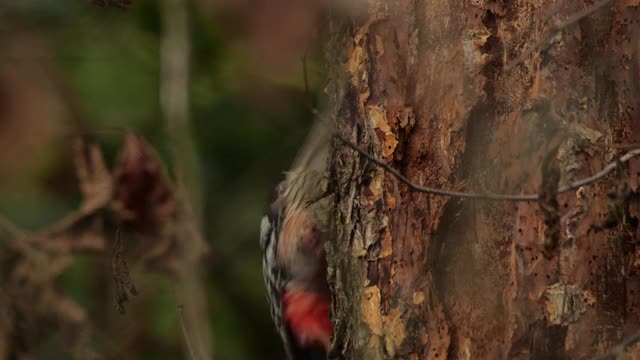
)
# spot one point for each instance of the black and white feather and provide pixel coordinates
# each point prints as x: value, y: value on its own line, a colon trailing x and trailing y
x: 304, y: 182
x: 274, y: 276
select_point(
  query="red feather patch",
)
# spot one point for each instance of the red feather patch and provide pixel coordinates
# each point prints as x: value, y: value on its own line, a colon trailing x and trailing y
x: 307, y: 314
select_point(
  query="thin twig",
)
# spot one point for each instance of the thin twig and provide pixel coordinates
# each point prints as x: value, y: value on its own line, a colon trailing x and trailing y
x: 482, y: 196
x: 428, y: 190
x: 604, y: 172
x: 556, y: 28
x: 185, y: 333
x: 487, y: 196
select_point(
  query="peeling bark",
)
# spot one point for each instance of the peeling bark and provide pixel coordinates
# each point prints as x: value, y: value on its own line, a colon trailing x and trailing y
x: 421, y: 85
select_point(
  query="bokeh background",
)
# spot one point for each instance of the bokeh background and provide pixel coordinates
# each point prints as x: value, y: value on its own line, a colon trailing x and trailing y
x: 70, y: 64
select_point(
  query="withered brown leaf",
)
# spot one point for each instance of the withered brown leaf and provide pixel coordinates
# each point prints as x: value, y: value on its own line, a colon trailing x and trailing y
x: 144, y: 197
x: 94, y: 178
x: 83, y: 229
x: 145, y: 201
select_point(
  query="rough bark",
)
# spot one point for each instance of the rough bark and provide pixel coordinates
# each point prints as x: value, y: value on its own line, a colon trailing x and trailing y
x: 421, y: 85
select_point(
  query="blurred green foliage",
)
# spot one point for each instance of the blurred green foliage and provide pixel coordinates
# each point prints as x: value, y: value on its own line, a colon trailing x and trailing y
x: 108, y: 63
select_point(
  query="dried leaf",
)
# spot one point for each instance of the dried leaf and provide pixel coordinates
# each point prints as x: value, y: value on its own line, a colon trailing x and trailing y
x: 144, y: 200
x: 143, y: 196
x: 93, y: 175
x: 32, y: 295
x: 83, y: 230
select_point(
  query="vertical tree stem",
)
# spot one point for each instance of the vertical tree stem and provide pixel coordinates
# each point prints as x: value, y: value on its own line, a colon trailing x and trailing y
x: 174, y: 102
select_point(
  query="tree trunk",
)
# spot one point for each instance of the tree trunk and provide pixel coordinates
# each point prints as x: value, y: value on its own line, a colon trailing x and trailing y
x: 422, y: 85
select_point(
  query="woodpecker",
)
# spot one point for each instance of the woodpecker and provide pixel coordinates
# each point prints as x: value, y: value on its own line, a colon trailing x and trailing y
x: 292, y: 237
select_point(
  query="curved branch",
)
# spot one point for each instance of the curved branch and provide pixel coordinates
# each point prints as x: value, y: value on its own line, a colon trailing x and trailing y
x: 489, y: 196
